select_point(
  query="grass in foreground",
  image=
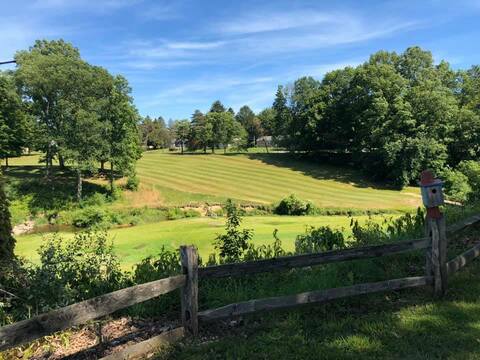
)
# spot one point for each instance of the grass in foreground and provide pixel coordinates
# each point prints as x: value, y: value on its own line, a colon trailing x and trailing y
x: 135, y: 243
x: 408, y: 324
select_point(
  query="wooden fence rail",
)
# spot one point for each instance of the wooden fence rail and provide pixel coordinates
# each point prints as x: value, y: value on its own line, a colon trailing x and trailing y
x: 251, y: 306
x: 288, y: 262
x: 79, y: 313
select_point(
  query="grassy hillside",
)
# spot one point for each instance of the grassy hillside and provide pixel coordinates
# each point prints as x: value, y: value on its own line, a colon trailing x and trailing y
x: 263, y: 178
x: 172, y: 179
x: 135, y: 243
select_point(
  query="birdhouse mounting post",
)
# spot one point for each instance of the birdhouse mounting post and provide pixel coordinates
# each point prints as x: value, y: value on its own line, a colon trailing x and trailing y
x: 436, y: 256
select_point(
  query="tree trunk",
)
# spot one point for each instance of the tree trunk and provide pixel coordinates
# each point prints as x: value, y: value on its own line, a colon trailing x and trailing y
x: 6, y: 162
x: 225, y: 149
x: 213, y: 149
x: 79, y: 185
x: 111, y: 177
x: 102, y: 166
x: 61, y: 162
x: 266, y: 146
x: 181, y: 145
x: 205, y: 149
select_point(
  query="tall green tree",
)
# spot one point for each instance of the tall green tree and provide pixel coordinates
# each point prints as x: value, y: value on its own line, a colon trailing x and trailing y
x: 182, y: 132
x: 123, y: 135
x: 246, y: 117
x: 49, y: 75
x: 16, y: 127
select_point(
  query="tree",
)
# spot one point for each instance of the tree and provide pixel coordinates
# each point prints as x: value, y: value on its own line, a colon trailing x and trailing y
x: 200, y: 132
x: 223, y: 129
x: 217, y: 107
x: 282, y: 118
x: 246, y: 117
x: 16, y: 126
x: 123, y: 135
x: 155, y: 133
x: 267, y: 119
x: 182, y: 132
x: 49, y: 75
x: 7, y: 242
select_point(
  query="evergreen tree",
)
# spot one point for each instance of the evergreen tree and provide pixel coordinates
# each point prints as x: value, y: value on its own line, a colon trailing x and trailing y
x: 217, y: 107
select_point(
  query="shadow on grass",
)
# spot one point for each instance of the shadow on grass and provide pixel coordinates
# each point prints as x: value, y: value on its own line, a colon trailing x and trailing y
x: 56, y: 193
x: 319, y: 170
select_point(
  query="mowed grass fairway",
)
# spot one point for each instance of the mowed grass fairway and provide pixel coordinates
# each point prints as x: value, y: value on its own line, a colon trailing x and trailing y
x: 135, y: 243
x: 263, y: 178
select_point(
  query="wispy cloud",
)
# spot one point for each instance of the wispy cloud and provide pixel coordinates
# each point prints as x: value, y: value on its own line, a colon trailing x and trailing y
x: 277, y: 21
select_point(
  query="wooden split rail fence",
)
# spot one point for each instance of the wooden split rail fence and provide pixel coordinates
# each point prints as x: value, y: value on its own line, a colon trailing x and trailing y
x: 437, y: 272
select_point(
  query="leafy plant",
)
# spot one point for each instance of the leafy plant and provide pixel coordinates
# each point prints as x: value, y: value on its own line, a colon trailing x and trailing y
x: 319, y: 239
x: 232, y: 244
x: 292, y: 205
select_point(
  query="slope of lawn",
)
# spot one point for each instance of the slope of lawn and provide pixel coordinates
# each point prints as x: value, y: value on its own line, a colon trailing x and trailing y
x: 135, y: 243
x: 263, y: 178
x: 172, y: 179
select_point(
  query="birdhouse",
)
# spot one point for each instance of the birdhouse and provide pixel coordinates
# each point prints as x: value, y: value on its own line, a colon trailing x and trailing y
x: 432, y: 190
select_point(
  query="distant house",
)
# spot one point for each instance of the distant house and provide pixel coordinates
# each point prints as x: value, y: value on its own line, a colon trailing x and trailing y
x: 264, y: 140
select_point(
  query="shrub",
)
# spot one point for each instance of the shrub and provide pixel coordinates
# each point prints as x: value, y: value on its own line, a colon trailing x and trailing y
x: 319, y: 239
x: 292, y: 205
x: 133, y: 182
x: 457, y: 187
x: 232, y: 244
x: 90, y: 216
x: 74, y: 270
x: 471, y: 169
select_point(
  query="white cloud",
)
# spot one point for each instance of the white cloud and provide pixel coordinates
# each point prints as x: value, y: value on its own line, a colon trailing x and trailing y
x: 277, y: 21
x: 195, y: 45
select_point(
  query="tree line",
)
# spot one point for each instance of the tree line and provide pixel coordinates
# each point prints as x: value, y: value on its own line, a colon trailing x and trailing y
x: 219, y: 127
x: 395, y: 115
x: 79, y: 114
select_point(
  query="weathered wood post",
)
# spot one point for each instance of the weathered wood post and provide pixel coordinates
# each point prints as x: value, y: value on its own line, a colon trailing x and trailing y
x: 436, y: 256
x: 189, y: 260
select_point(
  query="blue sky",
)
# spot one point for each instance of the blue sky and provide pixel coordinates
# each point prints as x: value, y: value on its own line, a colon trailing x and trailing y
x: 182, y: 55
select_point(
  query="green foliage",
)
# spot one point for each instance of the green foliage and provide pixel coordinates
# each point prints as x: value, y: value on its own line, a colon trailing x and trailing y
x: 457, y: 187
x: 397, y: 114
x: 319, y: 239
x: 7, y: 242
x: 471, y: 170
x: 155, y: 133
x: 234, y: 242
x: 133, y: 183
x: 91, y: 216
x: 292, y: 205
x: 74, y: 270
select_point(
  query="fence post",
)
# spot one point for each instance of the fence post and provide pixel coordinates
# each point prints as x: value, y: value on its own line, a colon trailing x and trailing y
x: 189, y: 260
x: 436, y: 255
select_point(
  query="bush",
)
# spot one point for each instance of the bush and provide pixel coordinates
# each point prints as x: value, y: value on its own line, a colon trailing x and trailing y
x: 457, y: 186
x: 90, y: 216
x: 471, y: 169
x: 74, y: 270
x: 292, y: 205
x: 234, y: 242
x: 319, y: 239
x: 133, y: 182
